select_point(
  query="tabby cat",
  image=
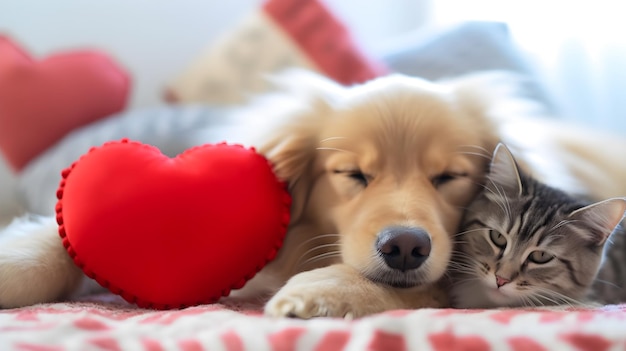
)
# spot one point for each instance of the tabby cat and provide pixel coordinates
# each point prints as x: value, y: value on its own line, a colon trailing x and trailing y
x: 523, y: 243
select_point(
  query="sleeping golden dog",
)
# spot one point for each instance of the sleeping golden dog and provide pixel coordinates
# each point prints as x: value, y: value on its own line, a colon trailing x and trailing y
x: 380, y: 174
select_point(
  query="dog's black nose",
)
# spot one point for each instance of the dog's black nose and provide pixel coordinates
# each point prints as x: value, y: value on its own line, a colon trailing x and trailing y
x: 403, y: 248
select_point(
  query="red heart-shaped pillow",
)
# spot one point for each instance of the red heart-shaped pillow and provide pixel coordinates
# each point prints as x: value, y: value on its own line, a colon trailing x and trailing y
x: 41, y: 101
x: 172, y: 232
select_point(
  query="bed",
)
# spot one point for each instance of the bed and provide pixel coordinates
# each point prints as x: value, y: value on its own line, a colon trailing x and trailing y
x: 107, y: 322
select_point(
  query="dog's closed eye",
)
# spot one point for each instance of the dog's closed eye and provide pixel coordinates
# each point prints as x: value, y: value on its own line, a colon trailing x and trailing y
x: 355, y: 174
x: 445, y: 177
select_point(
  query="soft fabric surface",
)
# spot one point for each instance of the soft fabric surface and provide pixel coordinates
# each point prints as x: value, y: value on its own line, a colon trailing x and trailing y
x: 105, y: 322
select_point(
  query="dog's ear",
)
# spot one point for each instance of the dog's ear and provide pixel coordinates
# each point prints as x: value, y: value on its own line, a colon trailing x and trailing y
x: 292, y: 152
x: 292, y: 144
x: 293, y: 139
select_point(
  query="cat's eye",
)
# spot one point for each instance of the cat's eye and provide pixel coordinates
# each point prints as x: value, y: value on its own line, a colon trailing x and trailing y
x: 360, y: 177
x: 540, y: 257
x: 497, y: 238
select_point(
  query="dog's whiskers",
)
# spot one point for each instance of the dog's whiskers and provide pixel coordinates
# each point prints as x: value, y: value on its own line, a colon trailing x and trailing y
x: 329, y: 243
x: 316, y: 248
x: 331, y: 255
x: 335, y: 149
x: 331, y: 139
x: 318, y: 237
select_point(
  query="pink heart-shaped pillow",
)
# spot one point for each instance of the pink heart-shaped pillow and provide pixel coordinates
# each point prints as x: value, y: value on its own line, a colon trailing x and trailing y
x: 41, y: 101
x: 172, y: 232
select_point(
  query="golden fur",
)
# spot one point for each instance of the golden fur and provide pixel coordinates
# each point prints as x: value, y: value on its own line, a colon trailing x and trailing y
x: 404, y: 135
x: 396, y: 151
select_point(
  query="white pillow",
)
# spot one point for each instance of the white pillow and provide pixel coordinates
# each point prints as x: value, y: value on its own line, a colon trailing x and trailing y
x: 466, y: 47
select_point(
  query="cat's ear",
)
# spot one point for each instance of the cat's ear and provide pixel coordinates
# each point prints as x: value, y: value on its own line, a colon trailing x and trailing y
x: 503, y: 173
x: 601, y: 218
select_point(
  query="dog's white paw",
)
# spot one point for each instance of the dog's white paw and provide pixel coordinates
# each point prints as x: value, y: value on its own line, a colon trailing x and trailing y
x: 333, y: 291
x: 308, y: 303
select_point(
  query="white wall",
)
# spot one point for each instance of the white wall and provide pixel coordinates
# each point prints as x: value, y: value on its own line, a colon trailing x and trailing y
x: 155, y: 39
x: 579, y: 48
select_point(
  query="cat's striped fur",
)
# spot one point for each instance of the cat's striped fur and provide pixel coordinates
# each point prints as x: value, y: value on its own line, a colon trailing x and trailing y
x: 523, y: 243
x: 609, y: 286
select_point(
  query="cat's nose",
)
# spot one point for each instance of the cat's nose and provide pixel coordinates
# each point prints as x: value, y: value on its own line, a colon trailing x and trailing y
x: 501, y: 281
x: 403, y: 248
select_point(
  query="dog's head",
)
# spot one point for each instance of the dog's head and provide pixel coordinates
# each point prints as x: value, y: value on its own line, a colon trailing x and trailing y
x: 387, y: 167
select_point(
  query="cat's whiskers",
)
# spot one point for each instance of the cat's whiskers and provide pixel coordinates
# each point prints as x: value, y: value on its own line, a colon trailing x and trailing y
x: 501, y: 199
x: 526, y: 302
x: 466, y: 280
x: 480, y: 151
x: 505, y: 204
x: 555, y: 297
x: 552, y: 300
x: 465, y: 262
x: 534, y: 301
x: 563, y: 223
x: 465, y: 259
x: 458, y: 266
x: 474, y: 154
x: 463, y: 268
x: 571, y: 301
x: 469, y: 231
x: 458, y: 253
x: 464, y: 271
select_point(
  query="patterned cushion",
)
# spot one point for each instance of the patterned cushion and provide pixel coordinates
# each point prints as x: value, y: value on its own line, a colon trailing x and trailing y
x: 43, y: 100
x: 279, y: 35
